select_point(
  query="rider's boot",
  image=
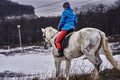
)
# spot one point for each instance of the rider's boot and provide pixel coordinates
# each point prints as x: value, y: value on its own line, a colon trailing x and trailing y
x: 60, y: 52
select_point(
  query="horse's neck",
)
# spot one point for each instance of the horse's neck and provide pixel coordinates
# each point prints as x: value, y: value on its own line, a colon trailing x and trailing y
x: 52, y: 33
x: 52, y: 41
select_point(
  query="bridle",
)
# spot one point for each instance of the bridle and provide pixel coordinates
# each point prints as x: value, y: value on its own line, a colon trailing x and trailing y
x: 48, y: 40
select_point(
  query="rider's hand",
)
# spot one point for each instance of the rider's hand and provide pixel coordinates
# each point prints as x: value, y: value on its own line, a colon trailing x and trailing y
x: 59, y: 29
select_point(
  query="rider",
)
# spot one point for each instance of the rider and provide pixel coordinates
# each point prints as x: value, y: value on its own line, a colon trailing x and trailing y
x: 67, y: 23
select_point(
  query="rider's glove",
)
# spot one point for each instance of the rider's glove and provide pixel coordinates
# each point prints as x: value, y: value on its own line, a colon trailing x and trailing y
x: 59, y: 29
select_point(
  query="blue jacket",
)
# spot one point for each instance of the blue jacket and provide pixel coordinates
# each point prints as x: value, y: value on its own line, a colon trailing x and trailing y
x: 68, y: 20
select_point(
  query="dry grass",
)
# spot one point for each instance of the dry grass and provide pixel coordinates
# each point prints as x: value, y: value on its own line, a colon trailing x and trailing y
x: 107, y: 74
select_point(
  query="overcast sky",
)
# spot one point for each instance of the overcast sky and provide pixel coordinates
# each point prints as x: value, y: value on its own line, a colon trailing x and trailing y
x: 54, y: 7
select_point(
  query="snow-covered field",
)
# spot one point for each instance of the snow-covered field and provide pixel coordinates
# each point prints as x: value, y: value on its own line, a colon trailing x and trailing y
x: 34, y: 59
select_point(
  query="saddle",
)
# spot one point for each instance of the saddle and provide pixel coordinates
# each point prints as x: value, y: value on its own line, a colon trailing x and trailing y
x: 65, y: 41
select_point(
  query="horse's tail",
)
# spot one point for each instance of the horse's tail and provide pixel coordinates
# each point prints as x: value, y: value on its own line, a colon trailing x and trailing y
x: 107, y: 50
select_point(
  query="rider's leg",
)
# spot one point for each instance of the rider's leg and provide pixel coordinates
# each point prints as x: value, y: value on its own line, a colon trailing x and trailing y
x: 59, y: 38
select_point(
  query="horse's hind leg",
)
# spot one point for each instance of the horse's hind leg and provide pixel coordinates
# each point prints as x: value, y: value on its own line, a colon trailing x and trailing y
x: 98, y: 60
x: 97, y: 64
x: 94, y: 59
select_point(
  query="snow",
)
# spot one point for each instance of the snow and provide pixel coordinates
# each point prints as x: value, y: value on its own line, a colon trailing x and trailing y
x: 37, y: 63
x: 115, y: 45
x: 32, y: 61
x: 38, y: 60
x: 26, y: 63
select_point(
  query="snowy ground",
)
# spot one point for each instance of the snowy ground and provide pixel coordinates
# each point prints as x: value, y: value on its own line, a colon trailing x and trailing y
x: 35, y: 59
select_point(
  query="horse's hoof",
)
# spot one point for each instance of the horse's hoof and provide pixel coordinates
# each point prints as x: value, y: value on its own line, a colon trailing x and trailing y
x: 96, y: 78
x: 57, y: 78
x: 118, y: 67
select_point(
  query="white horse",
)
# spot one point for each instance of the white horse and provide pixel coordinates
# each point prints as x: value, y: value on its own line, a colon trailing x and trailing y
x: 86, y: 42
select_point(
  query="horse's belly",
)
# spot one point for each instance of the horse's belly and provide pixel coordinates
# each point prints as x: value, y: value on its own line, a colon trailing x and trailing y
x: 70, y: 54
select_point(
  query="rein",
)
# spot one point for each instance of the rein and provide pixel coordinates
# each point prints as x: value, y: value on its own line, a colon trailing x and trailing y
x: 44, y: 37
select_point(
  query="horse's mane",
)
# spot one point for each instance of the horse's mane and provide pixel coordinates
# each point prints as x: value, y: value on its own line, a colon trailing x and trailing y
x: 51, y: 29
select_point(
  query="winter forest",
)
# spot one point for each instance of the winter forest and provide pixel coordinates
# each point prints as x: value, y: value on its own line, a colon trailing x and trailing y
x: 103, y: 17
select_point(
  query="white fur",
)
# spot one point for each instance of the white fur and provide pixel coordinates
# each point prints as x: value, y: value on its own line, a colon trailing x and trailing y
x: 86, y: 42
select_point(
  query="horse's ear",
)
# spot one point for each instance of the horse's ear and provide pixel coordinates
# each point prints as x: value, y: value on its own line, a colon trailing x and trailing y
x: 43, y: 30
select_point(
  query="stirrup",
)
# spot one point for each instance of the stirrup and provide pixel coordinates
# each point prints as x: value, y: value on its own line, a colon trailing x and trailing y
x: 60, y: 52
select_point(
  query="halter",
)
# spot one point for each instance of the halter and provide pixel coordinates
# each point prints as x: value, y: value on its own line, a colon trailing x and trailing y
x: 48, y: 40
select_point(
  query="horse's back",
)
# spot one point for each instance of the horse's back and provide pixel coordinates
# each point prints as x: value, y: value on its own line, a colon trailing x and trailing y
x: 85, y: 36
x: 89, y: 32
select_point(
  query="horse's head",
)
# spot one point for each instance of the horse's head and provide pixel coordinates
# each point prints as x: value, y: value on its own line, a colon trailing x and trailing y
x: 48, y: 34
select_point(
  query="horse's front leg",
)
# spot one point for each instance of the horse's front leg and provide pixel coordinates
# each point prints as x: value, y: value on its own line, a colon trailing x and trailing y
x: 68, y: 63
x: 57, y: 65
